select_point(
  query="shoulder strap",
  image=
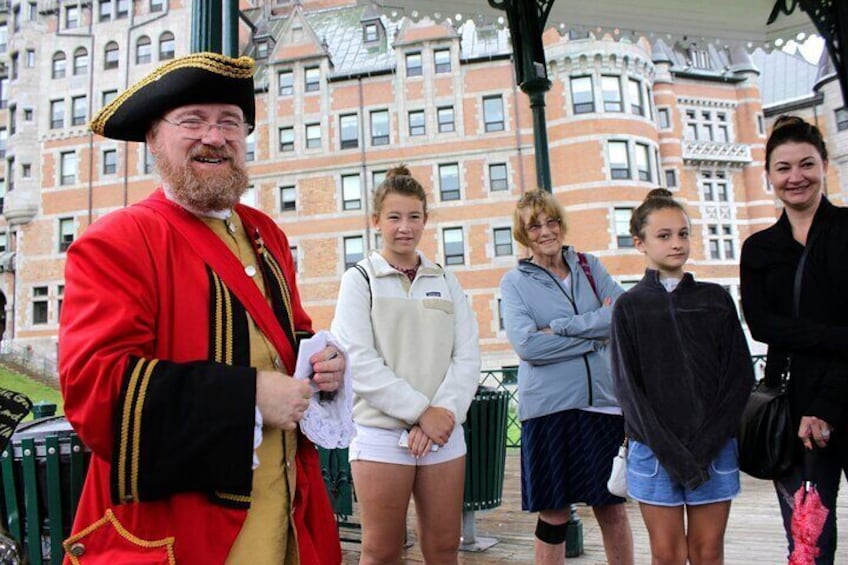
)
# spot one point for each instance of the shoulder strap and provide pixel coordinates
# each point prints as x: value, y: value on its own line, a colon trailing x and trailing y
x: 364, y: 273
x: 584, y: 264
x: 799, y: 275
x: 215, y: 253
x: 796, y: 299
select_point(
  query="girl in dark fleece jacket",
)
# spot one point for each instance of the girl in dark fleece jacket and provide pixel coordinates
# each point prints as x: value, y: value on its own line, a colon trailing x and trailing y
x: 683, y: 373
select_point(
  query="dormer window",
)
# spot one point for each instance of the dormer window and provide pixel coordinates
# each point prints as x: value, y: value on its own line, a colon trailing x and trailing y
x: 262, y: 49
x: 699, y: 57
x: 373, y: 31
x: 370, y: 32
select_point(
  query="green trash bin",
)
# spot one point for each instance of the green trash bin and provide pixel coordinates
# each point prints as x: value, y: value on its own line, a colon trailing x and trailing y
x: 43, y: 410
x: 42, y: 469
x: 335, y: 469
x: 485, y: 437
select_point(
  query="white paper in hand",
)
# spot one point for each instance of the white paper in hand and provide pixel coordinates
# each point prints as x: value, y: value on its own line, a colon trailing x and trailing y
x: 329, y: 423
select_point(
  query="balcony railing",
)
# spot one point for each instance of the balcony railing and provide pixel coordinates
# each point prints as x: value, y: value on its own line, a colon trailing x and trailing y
x: 716, y: 152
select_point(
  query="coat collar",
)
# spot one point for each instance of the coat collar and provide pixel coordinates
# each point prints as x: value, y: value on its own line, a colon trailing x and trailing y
x: 382, y: 268
x: 569, y: 255
x: 652, y: 279
x: 823, y: 214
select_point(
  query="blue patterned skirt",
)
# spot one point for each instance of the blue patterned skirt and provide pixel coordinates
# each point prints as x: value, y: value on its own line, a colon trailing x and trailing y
x: 566, y: 458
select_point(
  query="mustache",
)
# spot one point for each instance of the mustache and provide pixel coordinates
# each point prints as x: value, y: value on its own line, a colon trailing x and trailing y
x: 206, y: 152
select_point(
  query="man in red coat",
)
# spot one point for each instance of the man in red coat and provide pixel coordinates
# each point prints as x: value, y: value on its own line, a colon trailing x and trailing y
x: 180, y: 327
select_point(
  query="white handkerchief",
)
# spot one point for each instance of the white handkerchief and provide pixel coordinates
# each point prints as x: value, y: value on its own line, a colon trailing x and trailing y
x: 328, y: 423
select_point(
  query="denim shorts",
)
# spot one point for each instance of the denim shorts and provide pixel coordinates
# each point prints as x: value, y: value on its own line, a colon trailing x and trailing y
x: 648, y: 481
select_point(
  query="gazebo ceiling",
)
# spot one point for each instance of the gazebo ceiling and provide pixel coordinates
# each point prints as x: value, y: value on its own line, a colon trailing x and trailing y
x: 720, y: 21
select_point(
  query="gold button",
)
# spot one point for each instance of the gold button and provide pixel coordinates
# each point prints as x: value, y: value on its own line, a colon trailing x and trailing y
x: 231, y: 227
x: 277, y: 362
x: 77, y: 549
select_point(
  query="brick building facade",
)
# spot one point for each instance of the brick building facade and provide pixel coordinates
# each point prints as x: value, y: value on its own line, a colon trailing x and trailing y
x: 343, y: 94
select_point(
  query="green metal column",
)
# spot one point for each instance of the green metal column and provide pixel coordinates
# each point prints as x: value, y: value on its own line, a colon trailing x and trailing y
x: 526, y: 19
x: 206, y: 26
x: 229, y: 29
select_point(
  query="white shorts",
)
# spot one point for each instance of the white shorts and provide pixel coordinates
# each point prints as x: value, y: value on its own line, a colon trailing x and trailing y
x: 381, y: 445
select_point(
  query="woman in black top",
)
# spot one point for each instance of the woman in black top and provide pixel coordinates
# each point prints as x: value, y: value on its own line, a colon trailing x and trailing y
x: 816, y: 339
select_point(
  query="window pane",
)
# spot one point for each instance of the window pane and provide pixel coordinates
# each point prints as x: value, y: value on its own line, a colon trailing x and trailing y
x: 353, y: 251
x: 497, y: 177
x: 413, y: 64
x: 445, y: 116
x: 634, y: 91
x: 166, y: 46
x: 611, y: 87
x: 442, y: 60
x: 664, y: 118
x: 142, y: 51
x: 351, y: 192
x: 349, y: 131
x: 380, y: 127
x: 643, y: 163
x: 582, y: 95
x: 449, y: 181
x: 312, y: 77
x: 286, y: 139
x: 503, y: 242
x: 416, y: 122
x: 454, y: 246
x: 622, y: 227
x: 619, y: 160
x: 493, y: 113
x: 288, y: 197
x: 79, y: 110
x: 285, y: 81
x: 313, y: 136
x: 670, y: 178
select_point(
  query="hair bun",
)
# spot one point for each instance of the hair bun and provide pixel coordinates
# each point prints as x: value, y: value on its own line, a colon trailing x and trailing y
x: 788, y: 120
x: 400, y: 170
x: 658, y: 193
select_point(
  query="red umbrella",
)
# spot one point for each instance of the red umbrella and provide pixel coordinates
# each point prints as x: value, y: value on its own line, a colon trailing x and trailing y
x: 808, y: 517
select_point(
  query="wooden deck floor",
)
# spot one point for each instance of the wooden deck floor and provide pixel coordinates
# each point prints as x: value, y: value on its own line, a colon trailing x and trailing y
x: 754, y: 534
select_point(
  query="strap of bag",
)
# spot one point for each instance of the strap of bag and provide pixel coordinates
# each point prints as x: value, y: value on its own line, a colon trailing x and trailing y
x: 584, y: 264
x: 364, y: 273
x: 799, y: 275
x: 796, y: 299
x: 215, y: 253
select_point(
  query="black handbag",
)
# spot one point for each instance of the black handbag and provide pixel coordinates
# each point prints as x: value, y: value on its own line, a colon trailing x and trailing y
x: 766, y: 435
x: 767, y: 438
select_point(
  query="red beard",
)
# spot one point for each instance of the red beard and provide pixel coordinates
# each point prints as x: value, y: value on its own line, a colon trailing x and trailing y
x: 205, y: 191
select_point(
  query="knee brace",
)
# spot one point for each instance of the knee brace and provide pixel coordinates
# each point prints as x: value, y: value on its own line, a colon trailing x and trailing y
x: 553, y: 534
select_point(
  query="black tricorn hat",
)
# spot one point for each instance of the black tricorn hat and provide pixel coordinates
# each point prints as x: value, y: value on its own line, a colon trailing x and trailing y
x: 199, y: 78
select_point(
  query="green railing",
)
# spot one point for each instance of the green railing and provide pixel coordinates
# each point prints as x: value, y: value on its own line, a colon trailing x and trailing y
x: 507, y: 379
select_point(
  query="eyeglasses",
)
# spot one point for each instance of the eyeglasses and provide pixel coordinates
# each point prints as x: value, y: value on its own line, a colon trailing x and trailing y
x: 195, y: 128
x: 552, y: 224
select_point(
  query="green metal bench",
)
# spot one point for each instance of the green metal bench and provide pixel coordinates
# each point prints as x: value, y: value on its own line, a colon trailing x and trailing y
x: 42, y: 471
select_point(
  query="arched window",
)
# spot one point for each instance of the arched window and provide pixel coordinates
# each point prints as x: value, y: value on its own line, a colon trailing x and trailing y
x: 142, y: 50
x: 110, y: 55
x: 166, y: 46
x: 59, y: 64
x: 80, y: 61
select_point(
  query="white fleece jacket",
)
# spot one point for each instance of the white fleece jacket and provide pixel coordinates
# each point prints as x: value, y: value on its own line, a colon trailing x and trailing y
x: 410, y: 346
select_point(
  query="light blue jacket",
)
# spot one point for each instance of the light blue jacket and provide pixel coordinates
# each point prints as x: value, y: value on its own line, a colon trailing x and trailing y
x: 569, y: 368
